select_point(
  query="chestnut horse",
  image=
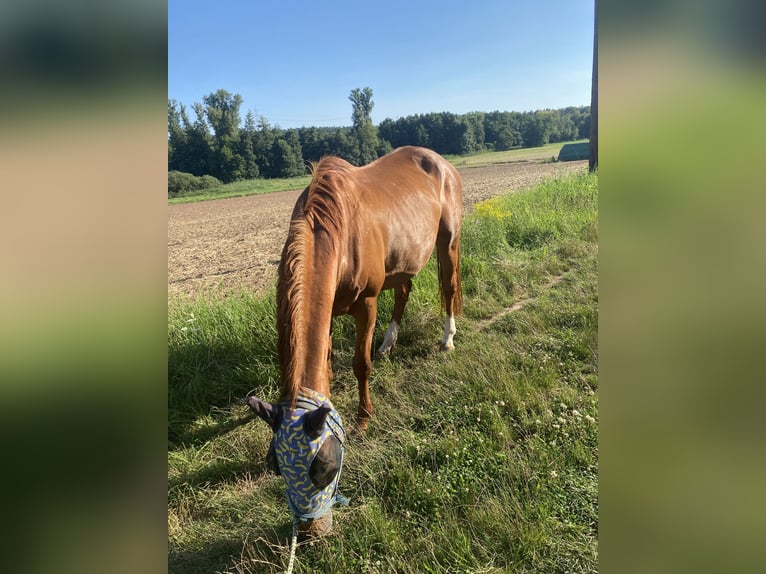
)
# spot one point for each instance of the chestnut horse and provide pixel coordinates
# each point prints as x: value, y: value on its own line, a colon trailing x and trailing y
x: 354, y: 232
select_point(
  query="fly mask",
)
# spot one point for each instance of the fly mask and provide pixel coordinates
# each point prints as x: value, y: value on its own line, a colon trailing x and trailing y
x: 306, y: 450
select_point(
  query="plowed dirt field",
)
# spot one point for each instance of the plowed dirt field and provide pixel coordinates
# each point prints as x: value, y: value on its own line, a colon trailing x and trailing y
x: 224, y: 245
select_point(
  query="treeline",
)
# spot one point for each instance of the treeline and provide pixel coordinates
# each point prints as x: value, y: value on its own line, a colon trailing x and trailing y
x: 477, y: 131
x: 218, y: 143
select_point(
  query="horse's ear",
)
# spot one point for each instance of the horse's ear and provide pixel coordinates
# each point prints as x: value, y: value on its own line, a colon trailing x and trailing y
x: 314, y: 421
x: 267, y: 411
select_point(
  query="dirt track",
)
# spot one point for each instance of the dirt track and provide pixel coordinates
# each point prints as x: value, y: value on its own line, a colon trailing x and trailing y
x: 227, y: 244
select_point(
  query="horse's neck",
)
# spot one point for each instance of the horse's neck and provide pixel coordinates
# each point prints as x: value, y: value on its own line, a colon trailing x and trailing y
x: 305, y: 318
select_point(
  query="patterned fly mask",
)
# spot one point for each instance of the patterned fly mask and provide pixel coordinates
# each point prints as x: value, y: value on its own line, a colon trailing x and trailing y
x: 307, y: 450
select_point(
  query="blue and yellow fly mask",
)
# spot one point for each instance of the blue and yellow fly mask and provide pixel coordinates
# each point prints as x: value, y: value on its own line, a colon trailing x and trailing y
x: 306, y: 450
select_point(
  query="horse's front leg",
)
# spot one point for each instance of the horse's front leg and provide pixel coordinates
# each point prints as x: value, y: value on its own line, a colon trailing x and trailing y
x: 364, y: 312
x: 401, y: 295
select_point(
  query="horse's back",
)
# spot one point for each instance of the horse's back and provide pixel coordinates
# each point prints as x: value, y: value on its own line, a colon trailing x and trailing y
x: 417, y: 162
x: 403, y: 200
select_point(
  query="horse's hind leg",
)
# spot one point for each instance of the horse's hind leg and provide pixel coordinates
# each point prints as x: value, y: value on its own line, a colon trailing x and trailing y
x: 364, y: 314
x: 448, y: 245
x: 401, y: 295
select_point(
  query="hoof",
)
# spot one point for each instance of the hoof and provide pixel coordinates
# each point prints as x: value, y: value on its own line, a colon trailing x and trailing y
x: 445, y: 348
x: 360, y: 427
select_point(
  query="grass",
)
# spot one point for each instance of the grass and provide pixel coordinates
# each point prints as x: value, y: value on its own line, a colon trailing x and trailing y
x: 481, y: 460
x: 261, y: 186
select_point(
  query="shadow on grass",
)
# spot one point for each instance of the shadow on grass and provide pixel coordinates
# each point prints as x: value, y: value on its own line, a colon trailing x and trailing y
x: 181, y: 433
x: 217, y: 473
x: 215, y: 557
x: 264, y: 548
x: 208, y: 379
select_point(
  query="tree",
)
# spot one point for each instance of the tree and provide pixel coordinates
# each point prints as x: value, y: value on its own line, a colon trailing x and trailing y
x: 197, y: 161
x: 286, y: 155
x: 176, y: 137
x: 313, y: 144
x: 263, y: 141
x: 536, y: 128
x: 247, y: 149
x: 583, y: 126
x: 507, y: 139
x: 362, y: 103
x: 222, y: 112
x: 476, y: 122
x: 363, y: 133
x: 421, y: 136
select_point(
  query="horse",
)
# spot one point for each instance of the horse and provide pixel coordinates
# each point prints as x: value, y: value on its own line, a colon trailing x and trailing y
x: 354, y: 232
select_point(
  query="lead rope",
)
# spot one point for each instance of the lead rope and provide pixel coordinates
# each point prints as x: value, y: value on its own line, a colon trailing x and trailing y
x: 293, y: 546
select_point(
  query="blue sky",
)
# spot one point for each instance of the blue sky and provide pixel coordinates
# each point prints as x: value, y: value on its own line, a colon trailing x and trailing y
x: 295, y: 62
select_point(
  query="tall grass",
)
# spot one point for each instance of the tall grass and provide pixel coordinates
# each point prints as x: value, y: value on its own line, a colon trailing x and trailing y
x: 480, y: 460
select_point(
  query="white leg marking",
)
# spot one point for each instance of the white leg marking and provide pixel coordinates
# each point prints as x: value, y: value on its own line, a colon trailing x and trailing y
x: 449, y: 333
x: 389, y: 340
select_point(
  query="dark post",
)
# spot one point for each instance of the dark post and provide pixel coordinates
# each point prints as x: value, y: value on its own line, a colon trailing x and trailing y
x: 593, y: 161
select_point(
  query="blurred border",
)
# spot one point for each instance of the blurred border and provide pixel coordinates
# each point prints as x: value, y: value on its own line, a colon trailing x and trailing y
x: 83, y: 154
x: 682, y: 92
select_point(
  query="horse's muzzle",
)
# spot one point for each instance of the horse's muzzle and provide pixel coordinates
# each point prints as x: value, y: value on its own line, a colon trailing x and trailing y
x: 316, y: 528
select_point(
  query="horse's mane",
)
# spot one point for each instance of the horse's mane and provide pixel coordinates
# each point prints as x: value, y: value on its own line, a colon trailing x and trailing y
x: 324, y: 202
x: 323, y: 211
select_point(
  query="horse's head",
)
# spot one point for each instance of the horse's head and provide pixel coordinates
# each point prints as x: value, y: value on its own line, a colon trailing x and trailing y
x: 307, y: 451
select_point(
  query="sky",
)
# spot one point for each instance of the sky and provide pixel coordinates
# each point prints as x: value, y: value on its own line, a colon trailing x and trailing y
x: 296, y: 62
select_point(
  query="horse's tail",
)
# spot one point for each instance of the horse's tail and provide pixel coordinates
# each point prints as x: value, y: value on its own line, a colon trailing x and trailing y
x: 448, y: 240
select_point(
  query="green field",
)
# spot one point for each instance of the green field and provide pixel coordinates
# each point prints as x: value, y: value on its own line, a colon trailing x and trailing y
x: 259, y: 186
x: 480, y: 460
x: 534, y: 154
x: 245, y: 187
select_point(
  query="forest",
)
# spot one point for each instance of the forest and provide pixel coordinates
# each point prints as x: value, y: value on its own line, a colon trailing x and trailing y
x: 217, y: 143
